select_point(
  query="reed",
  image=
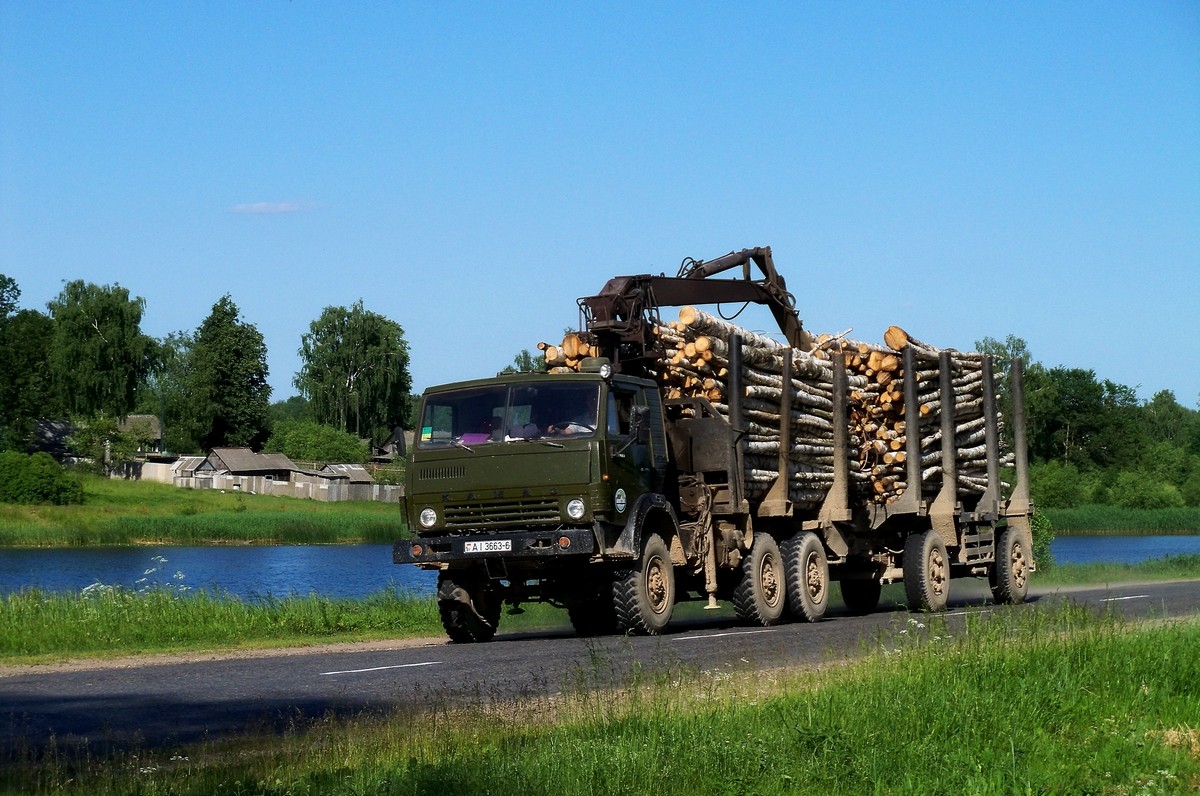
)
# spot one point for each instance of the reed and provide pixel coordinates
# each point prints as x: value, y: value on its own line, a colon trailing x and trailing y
x: 1022, y: 701
x: 1094, y: 519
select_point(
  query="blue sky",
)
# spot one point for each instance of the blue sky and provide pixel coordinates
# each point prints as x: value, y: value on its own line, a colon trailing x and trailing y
x: 959, y: 169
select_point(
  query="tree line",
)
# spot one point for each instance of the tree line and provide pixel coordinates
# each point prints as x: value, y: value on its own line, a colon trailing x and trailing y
x: 1092, y: 441
x: 86, y: 360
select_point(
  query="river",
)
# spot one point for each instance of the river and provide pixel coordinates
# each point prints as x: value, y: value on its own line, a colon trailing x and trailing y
x: 357, y: 570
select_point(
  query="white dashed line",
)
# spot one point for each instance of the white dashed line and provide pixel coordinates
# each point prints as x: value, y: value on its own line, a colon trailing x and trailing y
x: 722, y: 635
x: 382, y: 668
x: 1131, y: 597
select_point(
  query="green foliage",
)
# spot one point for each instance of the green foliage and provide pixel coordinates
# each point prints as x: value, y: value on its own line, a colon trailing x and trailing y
x: 10, y: 292
x: 168, y: 392
x: 297, y: 407
x: 1142, y: 490
x: 98, y: 355
x: 227, y: 376
x: 1053, y: 484
x: 526, y: 362
x: 1043, y: 537
x: 355, y: 371
x: 26, y: 388
x: 304, y: 440
x: 36, y: 479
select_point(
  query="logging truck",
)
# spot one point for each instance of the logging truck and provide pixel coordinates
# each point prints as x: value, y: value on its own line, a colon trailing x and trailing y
x: 660, y: 461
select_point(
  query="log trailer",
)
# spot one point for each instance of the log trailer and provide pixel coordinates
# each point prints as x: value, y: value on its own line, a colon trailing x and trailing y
x: 608, y: 489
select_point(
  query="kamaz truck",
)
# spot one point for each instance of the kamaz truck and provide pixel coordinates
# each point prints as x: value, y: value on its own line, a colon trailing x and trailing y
x: 606, y: 489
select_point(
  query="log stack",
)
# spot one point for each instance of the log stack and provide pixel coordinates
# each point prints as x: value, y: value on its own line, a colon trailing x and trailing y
x: 694, y: 364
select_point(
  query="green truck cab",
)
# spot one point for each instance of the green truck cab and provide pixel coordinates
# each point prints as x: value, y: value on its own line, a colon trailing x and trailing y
x: 518, y: 485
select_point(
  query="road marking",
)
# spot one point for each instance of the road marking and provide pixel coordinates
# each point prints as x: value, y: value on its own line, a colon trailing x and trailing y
x: 723, y: 635
x: 1118, y: 599
x: 382, y: 668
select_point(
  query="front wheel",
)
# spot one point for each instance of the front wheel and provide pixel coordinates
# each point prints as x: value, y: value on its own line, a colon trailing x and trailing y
x: 761, y: 595
x: 644, y: 596
x: 1010, y: 574
x: 926, y: 572
x: 807, y: 571
x: 468, y: 606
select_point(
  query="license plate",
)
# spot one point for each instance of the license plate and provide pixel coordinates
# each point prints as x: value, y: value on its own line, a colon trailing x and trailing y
x: 488, y: 546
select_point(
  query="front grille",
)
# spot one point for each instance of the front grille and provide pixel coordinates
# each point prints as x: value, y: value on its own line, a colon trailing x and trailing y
x: 501, y: 513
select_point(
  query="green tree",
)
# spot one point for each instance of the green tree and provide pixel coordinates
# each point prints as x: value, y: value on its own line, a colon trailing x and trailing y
x: 26, y: 389
x: 99, y: 355
x: 306, y: 441
x: 227, y: 376
x: 526, y: 362
x: 168, y: 393
x: 297, y: 407
x: 36, y: 479
x: 355, y: 371
x: 10, y: 292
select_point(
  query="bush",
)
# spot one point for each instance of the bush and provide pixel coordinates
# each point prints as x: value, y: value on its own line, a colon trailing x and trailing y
x: 303, y: 440
x: 1141, y: 490
x: 1043, y: 536
x: 1057, y: 485
x: 36, y: 479
x: 1190, y: 491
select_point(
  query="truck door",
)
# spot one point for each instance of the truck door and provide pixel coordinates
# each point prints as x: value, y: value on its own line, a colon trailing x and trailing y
x: 629, y: 467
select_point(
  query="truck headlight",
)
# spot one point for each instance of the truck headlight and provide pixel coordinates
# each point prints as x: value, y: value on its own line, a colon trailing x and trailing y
x: 575, y: 509
x: 428, y: 517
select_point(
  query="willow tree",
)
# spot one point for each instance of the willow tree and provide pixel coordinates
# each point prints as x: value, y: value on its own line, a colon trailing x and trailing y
x: 355, y: 371
x: 98, y: 355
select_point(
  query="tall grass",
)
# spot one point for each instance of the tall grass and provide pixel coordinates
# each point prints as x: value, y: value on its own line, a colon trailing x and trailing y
x: 132, y: 512
x: 106, y: 620
x: 1026, y: 701
x: 1122, y: 521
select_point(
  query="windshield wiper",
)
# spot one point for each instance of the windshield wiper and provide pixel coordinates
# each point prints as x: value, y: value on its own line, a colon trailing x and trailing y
x: 463, y: 445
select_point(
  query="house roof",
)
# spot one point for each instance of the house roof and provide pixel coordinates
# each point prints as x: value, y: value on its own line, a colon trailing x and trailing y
x: 244, y: 460
x: 355, y: 472
x: 149, y: 421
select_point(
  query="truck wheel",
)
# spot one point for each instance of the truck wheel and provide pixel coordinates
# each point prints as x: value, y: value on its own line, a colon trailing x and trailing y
x: 807, y: 571
x: 761, y: 595
x: 1010, y: 573
x: 644, y: 596
x: 861, y: 596
x: 469, y: 609
x: 926, y: 572
x: 592, y: 612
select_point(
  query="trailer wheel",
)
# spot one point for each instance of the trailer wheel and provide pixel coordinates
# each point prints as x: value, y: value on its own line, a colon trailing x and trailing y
x: 807, y: 571
x: 861, y: 595
x: 926, y: 572
x: 644, y: 596
x: 761, y: 594
x: 593, y: 612
x: 1010, y: 573
x: 468, y: 606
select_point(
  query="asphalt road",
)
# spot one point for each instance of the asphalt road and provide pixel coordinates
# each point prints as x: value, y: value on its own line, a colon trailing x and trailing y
x: 163, y: 704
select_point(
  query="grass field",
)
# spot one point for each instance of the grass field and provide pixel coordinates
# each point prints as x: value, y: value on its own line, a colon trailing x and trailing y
x: 137, y: 512
x: 1041, y: 701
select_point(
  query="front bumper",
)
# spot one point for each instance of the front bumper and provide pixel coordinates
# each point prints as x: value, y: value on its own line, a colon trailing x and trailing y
x: 523, y: 544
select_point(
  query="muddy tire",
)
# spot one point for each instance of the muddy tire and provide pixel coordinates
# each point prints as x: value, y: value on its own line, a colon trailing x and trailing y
x: 926, y: 572
x: 1010, y: 573
x: 468, y: 606
x: 761, y: 595
x: 861, y: 596
x: 593, y: 612
x: 644, y: 596
x: 807, y: 572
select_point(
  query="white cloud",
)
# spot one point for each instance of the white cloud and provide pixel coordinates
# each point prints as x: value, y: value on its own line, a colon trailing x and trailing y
x: 271, y: 208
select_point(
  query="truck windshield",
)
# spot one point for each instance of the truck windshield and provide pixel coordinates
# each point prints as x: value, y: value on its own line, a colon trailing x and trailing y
x: 504, y: 413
